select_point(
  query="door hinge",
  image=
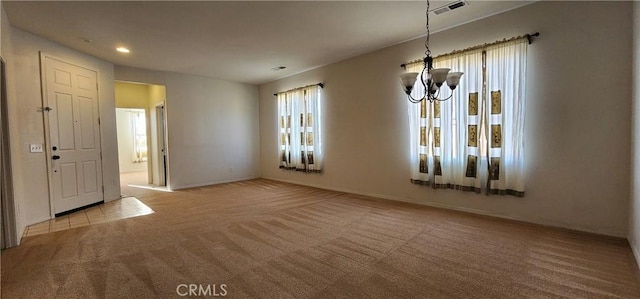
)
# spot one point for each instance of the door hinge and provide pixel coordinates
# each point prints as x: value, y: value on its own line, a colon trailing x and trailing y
x: 102, y: 189
x: 98, y: 120
x: 100, y: 156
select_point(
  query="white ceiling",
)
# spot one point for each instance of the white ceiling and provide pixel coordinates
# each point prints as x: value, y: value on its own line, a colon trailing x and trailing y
x: 236, y: 40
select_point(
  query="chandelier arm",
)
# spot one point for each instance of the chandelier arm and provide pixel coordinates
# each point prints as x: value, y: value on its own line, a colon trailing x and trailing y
x: 434, y: 96
x: 442, y: 100
x: 413, y: 100
x: 422, y: 81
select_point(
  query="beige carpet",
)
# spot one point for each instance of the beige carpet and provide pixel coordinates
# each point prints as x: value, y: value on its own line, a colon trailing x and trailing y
x: 273, y: 240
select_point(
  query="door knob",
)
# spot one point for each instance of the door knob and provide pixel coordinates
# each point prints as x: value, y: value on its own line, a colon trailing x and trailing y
x: 55, y: 157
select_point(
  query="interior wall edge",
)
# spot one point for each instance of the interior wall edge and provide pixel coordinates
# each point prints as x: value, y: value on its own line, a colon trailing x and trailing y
x: 634, y: 190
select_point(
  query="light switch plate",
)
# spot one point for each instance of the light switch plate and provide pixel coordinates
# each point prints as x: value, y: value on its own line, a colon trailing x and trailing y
x: 35, y: 148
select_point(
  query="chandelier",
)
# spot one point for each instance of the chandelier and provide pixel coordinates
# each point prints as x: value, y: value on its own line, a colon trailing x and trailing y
x: 430, y: 78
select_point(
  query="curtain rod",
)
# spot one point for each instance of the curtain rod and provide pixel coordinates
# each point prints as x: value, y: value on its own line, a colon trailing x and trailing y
x: 297, y: 88
x: 528, y: 36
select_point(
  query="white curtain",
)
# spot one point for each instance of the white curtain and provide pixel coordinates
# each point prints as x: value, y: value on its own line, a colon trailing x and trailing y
x: 139, y: 133
x: 440, y: 147
x: 505, y: 105
x: 460, y: 123
x: 475, y: 139
x: 300, y: 136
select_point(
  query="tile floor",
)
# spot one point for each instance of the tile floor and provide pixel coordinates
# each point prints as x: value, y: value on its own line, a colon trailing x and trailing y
x: 111, y: 211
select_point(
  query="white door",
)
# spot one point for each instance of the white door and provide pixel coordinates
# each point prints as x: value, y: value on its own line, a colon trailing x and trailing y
x: 71, y: 104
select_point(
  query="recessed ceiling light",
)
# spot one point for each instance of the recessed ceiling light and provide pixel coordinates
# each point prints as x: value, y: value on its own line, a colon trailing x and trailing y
x: 122, y: 50
x: 278, y: 68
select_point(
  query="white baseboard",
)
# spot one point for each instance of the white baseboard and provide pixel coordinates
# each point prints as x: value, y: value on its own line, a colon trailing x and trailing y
x: 201, y: 184
x: 20, y: 233
x: 543, y: 222
x: 36, y: 221
x: 635, y: 250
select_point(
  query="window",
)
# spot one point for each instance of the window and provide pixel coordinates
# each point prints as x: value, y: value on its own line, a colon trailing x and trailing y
x: 474, y: 141
x: 140, y: 135
x: 300, y: 137
x: 139, y: 132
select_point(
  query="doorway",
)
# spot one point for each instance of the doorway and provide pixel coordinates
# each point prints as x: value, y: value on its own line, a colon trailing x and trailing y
x: 141, y: 128
x: 132, y: 144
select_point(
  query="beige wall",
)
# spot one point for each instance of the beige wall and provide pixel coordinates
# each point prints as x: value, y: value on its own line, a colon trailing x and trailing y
x: 212, y: 127
x: 30, y: 169
x: 577, y: 119
x: 634, y: 210
x: 131, y: 95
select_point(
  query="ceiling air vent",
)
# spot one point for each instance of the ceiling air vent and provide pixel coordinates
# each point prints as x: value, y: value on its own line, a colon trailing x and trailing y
x: 449, y: 7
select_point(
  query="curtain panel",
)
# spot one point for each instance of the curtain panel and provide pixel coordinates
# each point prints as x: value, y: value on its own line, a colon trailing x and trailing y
x: 139, y: 135
x: 506, y: 65
x: 300, y: 136
x: 451, y: 141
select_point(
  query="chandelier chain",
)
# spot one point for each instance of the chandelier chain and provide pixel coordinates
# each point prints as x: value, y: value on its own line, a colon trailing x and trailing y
x: 427, y: 52
x: 430, y: 79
